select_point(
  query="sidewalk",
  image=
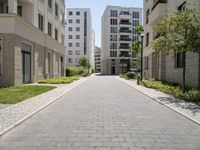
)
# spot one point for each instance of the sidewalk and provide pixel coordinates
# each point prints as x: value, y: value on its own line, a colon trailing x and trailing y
x: 15, y: 114
x: 187, y: 109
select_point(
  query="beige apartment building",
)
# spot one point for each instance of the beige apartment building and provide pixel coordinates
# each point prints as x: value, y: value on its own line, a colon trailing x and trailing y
x: 118, y: 34
x: 31, y: 40
x: 161, y: 66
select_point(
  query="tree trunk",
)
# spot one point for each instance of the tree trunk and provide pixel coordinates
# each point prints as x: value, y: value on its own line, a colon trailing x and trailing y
x: 184, y: 70
x: 199, y: 73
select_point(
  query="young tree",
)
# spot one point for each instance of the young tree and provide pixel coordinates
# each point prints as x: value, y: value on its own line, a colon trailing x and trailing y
x: 83, y: 62
x: 88, y: 66
x: 179, y: 32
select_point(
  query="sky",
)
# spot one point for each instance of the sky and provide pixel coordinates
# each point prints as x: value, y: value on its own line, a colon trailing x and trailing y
x: 97, y: 8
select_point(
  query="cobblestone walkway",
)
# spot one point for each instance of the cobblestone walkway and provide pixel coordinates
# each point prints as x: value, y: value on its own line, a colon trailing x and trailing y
x: 104, y: 114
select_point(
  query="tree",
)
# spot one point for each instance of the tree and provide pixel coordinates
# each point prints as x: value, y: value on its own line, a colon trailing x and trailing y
x: 88, y: 66
x: 179, y: 32
x: 136, y: 45
x: 83, y: 61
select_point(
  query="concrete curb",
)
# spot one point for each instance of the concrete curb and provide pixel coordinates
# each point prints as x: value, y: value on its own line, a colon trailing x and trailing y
x: 176, y: 109
x: 39, y: 109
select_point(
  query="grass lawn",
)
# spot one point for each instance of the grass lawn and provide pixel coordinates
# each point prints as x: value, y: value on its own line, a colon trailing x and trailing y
x: 191, y: 95
x: 13, y: 95
x: 61, y: 80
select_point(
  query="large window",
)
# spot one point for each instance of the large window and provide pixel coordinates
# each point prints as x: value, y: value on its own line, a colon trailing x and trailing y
x: 147, y: 16
x: 49, y: 29
x: 113, y: 53
x: 113, y: 29
x: 178, y: 60
x: 136, y: 22
x: 50, y: 3
x: 113, y: 37
x: 113, y: 45
x: 113, y: 13
x: 0, y: 57
x: 136, y: 15
x: 56, y: 9
x: 40, y: 22
x: 113, y: 21
x: 56, y: 34
x: 146, y: 62
x: 147, y: 39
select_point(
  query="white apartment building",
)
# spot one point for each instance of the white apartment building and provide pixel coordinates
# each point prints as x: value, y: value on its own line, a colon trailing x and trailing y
x: 79, y: 36
x: 161, y: 66
x: 31, y: 40
x: 118, y: 34
x: 97, y: 59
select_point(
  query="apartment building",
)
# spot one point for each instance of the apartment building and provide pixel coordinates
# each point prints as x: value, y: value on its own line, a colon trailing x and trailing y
x: 31, y: 40
x: 79, y: 36
x: 97, y: 58
x: 118, y: 34
x: 161, y: 66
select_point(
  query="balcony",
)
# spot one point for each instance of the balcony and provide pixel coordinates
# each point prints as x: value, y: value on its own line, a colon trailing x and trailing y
x: 125, y: 22
x: 124, y: 46
x: 125, y: 39
x: 158, y: 12
x: 124, y: 30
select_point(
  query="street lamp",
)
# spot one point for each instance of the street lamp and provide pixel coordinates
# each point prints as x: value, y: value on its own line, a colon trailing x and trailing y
x: 142, y: 37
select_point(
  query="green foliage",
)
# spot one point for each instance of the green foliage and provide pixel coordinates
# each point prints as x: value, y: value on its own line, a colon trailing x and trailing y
x: 61, y: 80
x: 74, y: 71
x: 129, y: 75
x: 83, y: 61
x: 13, y: 95
x: 173, y: 89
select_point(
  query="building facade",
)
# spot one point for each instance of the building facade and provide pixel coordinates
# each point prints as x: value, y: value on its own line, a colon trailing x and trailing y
x: 31, y: 40
x: 79, y: 36
x: 160, y: 66
x: 118, y: 34
x: 97, y: 59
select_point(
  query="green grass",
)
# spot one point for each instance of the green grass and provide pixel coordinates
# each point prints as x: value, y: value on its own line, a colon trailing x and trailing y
x: 13, y: 95
x: 191, y: 95
x: 61, y: 80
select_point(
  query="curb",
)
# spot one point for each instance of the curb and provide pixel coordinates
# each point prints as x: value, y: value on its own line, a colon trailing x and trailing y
x: 172, y: 108
x: 39, y: 109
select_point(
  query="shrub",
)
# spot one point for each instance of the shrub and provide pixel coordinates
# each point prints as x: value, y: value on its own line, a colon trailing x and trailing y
x: 73, y: 71
x: 129, y: 75
x: 61, y: 80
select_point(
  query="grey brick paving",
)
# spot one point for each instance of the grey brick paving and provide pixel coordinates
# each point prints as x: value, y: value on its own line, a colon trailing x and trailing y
x: 104, y: 114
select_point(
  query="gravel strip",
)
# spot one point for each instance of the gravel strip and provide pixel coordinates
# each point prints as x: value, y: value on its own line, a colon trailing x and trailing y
x: 189, y: 110
x: 13, y: 115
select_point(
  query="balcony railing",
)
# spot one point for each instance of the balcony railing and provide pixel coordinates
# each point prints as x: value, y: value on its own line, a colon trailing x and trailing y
x: 124, y: 31
x: 125, y: 23
x: 125, y: 39
x: 124, y: 47
x: 157, y: 2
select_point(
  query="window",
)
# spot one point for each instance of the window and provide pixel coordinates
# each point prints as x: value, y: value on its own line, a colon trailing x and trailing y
x: 77, y: 44
x: 134, y: 31
x: 113, y: 53
x: 77, y: 60
x: 40, y: 22
x: 77, y: 28
x: 77, y: 36
x: 56, y: 9
x: 78, y: 13
x: 70, y: 37
x: 182, y: 7
x: 70, y: 21
x: 113, y: 21
x: 136, y: 22
x: 113, y: 29
x: 70, y: 44
x: 146, y: 62
x: 77, y: 52
x: 147, y: 39
x: 56, y: 34
x: 77, y: 20
x: 19, y: 10
x: 113, y: 45
x: 147, y: 16
x: 50, y: 3
x: 136, y: 15
x: 70, y: 52
x: 179, y: 60
x: 113, y: 37
x: 49, y: 29
x: 1, y: 57
x: 70, y: 13
x: 113, y: 13
x: 135, y: 38
x: 70, y: 29
x: 70, y: 60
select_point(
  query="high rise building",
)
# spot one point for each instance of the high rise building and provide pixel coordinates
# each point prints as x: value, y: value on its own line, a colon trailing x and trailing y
x: 118, y: 34
x: 31, y: 40
x: 97, y: 58
x: 79, y: 36
x: 159, y: 65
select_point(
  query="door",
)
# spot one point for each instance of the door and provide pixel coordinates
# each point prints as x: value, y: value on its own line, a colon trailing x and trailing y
x: 113, y: 70
x: 26, y: 63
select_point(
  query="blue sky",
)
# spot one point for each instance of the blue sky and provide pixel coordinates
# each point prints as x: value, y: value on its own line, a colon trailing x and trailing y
x: 97, y: 8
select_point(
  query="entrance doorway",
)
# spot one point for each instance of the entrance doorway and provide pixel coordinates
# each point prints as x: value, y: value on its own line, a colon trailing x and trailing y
x: 113, y: 70
x: 26, y: 63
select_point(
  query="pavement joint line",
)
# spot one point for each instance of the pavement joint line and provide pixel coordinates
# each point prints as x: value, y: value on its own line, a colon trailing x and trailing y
x: 38, y: 110
x: 177, y: 111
